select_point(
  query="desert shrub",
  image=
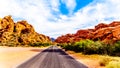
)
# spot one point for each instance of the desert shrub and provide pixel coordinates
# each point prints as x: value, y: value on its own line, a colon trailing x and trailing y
x: 62, y: 44
x: 46, y: 44
x: 98, y: 46
x: 68, y: 46
x: 79, y: 46
x: 89, y: 46
x: 117, y: 48
x: 104, y: 61
x: 111, y: 49
x: 9, y: 44
x: 113, y: 64
x: 39, y: 44
x: 93, y: 47
x: 83, y: 45
x: 106, y: 49
x: 35, y: 44
x: 109, y: 62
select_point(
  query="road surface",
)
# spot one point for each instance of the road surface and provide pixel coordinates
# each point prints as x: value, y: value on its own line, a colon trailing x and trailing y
x: 53, y: 57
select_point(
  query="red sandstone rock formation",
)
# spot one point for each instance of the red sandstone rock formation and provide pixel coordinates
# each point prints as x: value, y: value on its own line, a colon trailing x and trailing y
x: 19, y: 33
x: 104, y: 32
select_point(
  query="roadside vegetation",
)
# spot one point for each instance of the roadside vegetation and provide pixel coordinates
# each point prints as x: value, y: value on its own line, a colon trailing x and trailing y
x: 35, y: 44
x: 96, y: 61
x: 110, y: 62
x: 39, y: 44
x: 90, y: 47
x: 93, y: 47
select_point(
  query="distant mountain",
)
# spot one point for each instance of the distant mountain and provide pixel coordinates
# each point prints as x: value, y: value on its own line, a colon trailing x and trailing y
x: 104, y: 32
x: 12, y: 33
x: 53, y: 39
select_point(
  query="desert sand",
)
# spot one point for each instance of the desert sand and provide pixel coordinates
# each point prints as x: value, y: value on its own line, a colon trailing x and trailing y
x: 10, y: 57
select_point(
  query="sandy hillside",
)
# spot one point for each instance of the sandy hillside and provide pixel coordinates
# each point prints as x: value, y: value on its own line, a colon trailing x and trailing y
x: 10, y: 57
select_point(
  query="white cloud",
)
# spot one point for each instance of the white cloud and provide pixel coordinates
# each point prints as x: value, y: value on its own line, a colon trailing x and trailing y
x: 71, y: 4
x: 55, y: 4
x: 38, y: 13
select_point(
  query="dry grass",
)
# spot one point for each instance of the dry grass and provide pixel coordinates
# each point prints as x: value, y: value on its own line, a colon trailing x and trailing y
x: 93, y: 61
x: 10, y: 57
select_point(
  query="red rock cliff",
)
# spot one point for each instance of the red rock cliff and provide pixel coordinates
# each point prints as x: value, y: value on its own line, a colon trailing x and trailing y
x: 103, y: 32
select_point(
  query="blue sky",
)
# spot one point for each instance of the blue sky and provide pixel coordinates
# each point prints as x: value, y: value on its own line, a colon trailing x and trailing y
x: 78, y: 5
x: 57, y: 17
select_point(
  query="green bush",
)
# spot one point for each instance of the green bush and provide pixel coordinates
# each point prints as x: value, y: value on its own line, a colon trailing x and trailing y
x: 68, y: 46
x: 39, y: 44
x: 79, y: 46
x: 82, y: 45
x: 117, y: 48
x: 93, y: 47
x: 46, y: 44
x: 89, y: 46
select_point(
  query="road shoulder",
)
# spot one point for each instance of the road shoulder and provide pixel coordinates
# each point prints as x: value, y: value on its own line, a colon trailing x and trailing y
x: 13, y: 56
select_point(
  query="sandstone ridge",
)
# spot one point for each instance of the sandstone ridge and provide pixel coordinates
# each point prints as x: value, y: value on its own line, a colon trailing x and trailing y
x: 103, y: 32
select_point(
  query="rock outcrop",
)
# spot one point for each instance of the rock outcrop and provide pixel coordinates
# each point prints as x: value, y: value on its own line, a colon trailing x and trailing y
x: 108, y: 34
x: 104, y: 32
x: 19, y: 33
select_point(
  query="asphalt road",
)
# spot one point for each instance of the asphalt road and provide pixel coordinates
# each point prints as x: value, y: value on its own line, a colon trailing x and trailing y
x: 53, y: 57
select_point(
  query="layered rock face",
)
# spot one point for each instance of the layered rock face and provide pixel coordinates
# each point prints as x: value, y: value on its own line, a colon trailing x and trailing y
x: 109, y: 33
x: 104, y: 32
x: 19, y: 33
